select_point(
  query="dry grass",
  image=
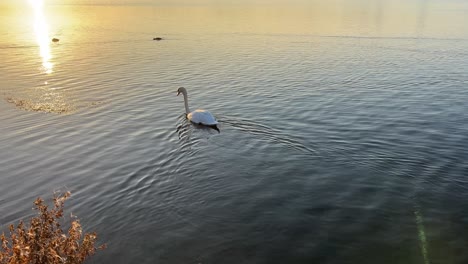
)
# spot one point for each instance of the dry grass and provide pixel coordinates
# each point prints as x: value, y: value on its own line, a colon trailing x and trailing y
x: 46, y: 106
x: 43, y: 240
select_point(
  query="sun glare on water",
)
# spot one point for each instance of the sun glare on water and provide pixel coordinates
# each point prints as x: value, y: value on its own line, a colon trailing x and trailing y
x: 44, y: 97
x: 42, y: 34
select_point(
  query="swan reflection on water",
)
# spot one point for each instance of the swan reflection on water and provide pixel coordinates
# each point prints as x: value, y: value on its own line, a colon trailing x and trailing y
x: 185, y: 128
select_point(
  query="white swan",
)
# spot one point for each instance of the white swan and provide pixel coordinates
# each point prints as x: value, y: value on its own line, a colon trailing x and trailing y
x: 199, y: 116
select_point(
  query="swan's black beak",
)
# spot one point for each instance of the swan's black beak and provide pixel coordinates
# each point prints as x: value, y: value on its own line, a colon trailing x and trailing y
x: 178, y: 93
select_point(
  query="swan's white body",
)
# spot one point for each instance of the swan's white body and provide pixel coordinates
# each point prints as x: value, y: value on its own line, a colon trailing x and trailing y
x: 199, y: 116
x: 203, y: 117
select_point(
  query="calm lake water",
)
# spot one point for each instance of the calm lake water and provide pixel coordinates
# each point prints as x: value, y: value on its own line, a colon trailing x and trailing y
x: 344, y: 128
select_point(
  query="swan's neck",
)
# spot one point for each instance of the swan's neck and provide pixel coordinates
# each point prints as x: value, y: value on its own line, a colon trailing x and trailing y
x: 187, y: 110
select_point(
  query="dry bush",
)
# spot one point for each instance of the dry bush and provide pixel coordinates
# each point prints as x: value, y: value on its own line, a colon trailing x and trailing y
x: 43, y: 241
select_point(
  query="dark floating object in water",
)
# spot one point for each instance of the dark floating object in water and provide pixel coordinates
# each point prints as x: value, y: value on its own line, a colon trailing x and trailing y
x: 55, y: 40
x: 158, y: 38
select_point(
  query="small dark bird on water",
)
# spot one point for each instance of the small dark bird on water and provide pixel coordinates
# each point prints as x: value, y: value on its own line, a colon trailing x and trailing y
x: 158, y: 38
x: 55, y: 40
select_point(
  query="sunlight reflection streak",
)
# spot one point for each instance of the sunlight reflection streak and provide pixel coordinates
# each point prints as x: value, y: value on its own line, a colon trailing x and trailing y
x: 42, y: 34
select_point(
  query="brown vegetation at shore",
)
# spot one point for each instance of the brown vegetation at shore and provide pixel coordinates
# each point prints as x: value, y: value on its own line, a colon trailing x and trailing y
x: 43, y: 240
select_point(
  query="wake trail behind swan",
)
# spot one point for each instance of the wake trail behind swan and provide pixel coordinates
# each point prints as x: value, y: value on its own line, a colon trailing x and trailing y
x: 270, y: 133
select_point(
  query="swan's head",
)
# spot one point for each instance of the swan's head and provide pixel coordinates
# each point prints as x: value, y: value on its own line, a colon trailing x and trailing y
x: 181, y: 90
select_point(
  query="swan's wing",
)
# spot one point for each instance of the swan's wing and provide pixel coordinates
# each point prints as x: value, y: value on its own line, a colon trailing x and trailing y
x: 202, y: 117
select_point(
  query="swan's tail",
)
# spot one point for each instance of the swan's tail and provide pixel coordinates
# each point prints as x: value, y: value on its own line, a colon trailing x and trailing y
x: 215, y: 127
